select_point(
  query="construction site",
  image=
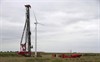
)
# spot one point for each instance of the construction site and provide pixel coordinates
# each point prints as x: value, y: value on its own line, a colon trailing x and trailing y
x: 57, y: 42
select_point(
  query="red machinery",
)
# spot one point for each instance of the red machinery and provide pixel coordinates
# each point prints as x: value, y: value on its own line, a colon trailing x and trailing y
x: 65, y: 56
x: 25, y: 48
x: 76, y: 55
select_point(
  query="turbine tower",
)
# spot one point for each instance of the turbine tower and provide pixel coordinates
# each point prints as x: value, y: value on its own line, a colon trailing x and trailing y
x: 35, y: 35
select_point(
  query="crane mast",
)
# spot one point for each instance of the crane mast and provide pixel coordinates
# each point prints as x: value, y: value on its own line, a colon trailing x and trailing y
x: 28, y: 32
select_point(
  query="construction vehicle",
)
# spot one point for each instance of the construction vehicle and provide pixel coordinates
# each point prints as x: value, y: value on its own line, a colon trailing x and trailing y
x: 25, y: 48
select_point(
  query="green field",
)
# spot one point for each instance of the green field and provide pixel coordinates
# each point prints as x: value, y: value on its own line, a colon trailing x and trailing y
x: 47, y: 57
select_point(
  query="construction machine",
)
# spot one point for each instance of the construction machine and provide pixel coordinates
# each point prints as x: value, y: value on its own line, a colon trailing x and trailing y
x: 25, y: 48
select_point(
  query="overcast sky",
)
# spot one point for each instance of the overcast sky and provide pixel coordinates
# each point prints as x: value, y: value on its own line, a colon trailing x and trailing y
x: 65, y: 25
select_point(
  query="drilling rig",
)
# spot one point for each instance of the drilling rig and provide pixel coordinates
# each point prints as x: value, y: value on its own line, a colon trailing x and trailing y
x: 25, y: 48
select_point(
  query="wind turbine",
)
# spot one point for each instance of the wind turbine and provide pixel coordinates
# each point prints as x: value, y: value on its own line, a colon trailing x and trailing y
x: 35, y: 34
x: 36, y: 22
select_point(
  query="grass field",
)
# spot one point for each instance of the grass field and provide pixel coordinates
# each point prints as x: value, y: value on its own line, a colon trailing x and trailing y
x: 47, y: 57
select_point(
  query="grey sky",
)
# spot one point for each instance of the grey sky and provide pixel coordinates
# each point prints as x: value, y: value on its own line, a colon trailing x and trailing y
x: 65, y: 24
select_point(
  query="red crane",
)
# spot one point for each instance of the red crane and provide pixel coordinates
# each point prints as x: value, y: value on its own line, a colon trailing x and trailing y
x: 25, y: 48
